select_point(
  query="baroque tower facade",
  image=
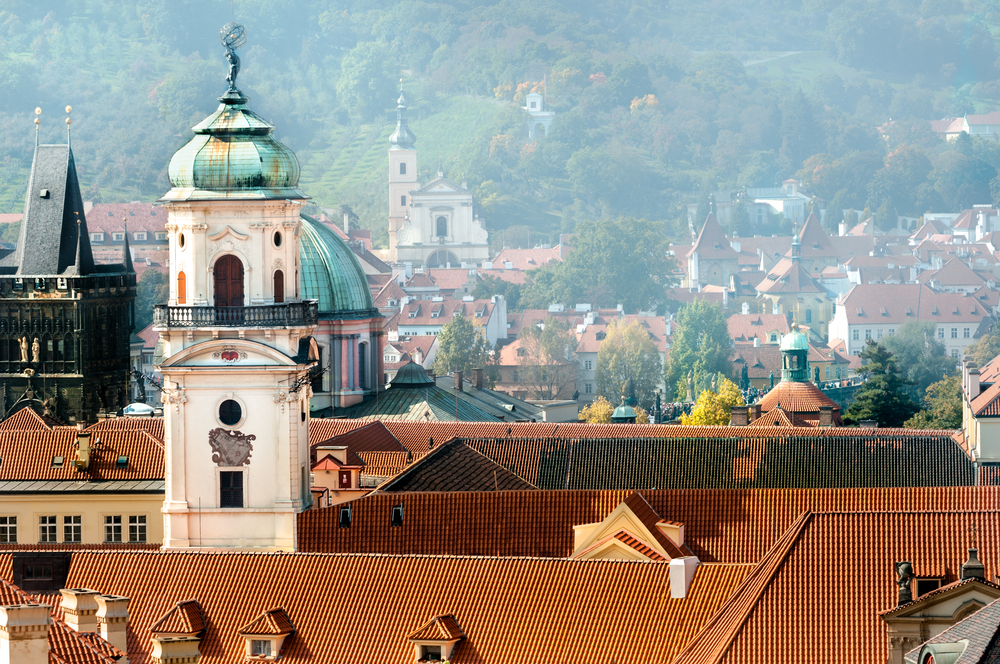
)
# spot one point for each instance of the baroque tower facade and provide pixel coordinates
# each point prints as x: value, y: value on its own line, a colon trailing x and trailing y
x: 402, y: 173
x: 236, y: 344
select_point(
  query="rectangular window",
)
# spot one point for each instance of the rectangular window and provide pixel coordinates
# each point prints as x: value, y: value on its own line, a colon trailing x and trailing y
x: 588, y: 388
x: 113, y: 529
x: 965, y: 333
x: 892, y: 332
x: 161, y: 236
x: 137, y: 528
x: 73, y: 529
x: 37, y: 572
x: 868, y: 334
x: 402, y: 201
x: 141, y: 236
x: 940, y: 333
x: 588, y: 365
x: 260, y: 648
x: 880, y: 334
x: 513, y: 376
x: 8, y: 530
x: 402, y: 168
x: 954, y: 333
x: 856, y: 335
x: 231, y: 493
x: 954, y: 353
x: 828, y: 371
x: 118, y: 237
x: 47, y: 529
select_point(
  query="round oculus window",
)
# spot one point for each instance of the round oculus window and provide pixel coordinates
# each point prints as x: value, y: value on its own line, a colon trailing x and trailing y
x: 277, y: 239
x: 230, y: 412
x: 180, y: 240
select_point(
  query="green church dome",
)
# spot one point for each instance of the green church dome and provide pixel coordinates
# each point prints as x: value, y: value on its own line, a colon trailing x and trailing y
x: 233, y: 156
x: 794, y: 340
x: 331, y: 274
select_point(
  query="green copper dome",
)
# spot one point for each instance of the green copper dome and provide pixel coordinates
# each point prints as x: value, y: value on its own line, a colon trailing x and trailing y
x: 331, y: 274
x: 794, y: 340
x: 233, y: 156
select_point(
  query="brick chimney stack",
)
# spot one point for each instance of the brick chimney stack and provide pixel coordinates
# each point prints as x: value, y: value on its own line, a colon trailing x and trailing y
x: 739, y: 416
x: 826, y: 416
x: 477, y: 378
x: 458, y: 380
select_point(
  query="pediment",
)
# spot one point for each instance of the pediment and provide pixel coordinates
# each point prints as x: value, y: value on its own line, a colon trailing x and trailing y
x: 231, y: 353
x: 630, y: 533
x: 229, y: 232
x: 950, y: 602
x: 442, y: 185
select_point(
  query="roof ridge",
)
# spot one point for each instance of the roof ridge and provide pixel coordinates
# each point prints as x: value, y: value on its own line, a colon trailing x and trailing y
x: 717, y: 635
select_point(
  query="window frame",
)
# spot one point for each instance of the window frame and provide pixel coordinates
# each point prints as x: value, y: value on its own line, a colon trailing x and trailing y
x: 8, y: 529
x: 223, y: 473
x: 137, y: 525
x: 48, y: 531
x: 110, y: 528
x: 73, y: 526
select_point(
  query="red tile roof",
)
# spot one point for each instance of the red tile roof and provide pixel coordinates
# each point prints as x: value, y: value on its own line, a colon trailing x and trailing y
x: 441, y: 313
x: 440, y: 628
x: 761, y: 361
x: 529, y: 259
x: 746, y: 327
x: 803, y: 399
x: 25, y: 419
x: 185, y: 617
x: 712, y: 242
x: 273, y: 621
x: 149, y: 336
x: 48, y: 455
x: 107, y: 218
x: 897, y: 303
x: 721, y: 525
x: 510, y: 610
x: 815, y: 243
x: 788, y: 276
x: 797, y: 586
x: 953, y: 273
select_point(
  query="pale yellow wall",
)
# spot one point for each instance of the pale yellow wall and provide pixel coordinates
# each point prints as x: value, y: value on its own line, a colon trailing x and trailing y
x: 93, y: 509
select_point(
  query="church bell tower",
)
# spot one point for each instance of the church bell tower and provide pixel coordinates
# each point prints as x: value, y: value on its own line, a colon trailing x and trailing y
x: 235, y: 337
x: 402, y: 172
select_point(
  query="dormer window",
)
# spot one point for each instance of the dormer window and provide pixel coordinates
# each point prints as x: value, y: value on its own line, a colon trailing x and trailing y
x: 141, y: 236
x: 436, y: 641
x: 97, y: 237
x: 266, y: 635
x: 260, y: 648
x: 118, y: 237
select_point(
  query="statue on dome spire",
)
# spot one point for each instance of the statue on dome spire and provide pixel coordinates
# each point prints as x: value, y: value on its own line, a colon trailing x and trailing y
x: 233, y: 36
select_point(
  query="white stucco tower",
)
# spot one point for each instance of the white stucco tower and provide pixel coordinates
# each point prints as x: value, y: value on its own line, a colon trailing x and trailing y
x: 402, y: 172
x: 235, y: 338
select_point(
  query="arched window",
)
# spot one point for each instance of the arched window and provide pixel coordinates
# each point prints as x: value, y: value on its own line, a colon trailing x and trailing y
x: 279, y: 286
x: 181, y: 288
x: 402, y: 168
x: 363, y: 365
x: 809, y: 315
x: 442, y: 227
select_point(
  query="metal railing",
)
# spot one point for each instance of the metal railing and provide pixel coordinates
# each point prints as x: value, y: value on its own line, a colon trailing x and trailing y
x: 267, y: 315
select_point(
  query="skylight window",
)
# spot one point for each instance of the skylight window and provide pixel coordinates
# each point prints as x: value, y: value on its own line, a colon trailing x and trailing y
x: 57, y: 461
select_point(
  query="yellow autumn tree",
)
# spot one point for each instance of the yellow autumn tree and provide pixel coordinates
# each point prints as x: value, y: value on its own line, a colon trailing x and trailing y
x: 641, y: 416
x: 598, y: 412
x: 713, y: 409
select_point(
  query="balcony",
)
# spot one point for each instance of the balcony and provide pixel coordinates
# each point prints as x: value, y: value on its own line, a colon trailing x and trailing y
x: 291, y: 314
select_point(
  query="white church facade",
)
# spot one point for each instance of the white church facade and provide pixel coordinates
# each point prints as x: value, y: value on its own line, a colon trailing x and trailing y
x: 434, y: 225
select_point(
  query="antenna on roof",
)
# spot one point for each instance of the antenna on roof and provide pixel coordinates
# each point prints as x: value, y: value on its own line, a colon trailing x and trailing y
x: 69, y: 123
x: 38, y: 122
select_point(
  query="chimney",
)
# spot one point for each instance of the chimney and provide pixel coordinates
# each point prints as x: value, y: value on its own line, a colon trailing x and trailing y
x: 80, y: 608
x: 973, y: 382
x: 175, y: 649
x: 843, y: 229
x: 338, y: 452
x: 82, y: 460
x: 826, y: 416
x: 458, y: 380
x: 754, y: 411
x: 739, y: 416
x: 972, y: 568
x: 868, y: 424
x: 347, y: 223
x: 24, y: 633
x: 681, y: 573
x: 477, y: 378
x: 756, y: 342
x: 112, y: 620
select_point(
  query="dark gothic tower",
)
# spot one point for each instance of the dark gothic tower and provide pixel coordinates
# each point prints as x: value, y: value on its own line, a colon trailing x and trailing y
x: 64, y: 321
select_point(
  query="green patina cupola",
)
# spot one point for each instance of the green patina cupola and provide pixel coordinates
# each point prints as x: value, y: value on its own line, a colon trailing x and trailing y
x: 402, y: 138
x: 795, y: 356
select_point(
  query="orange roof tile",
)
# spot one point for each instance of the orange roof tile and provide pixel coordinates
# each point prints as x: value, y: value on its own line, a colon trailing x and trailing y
x: 274, y: 621
x: 797, y: 397
x: 721, y: 525
x: 545, y: 609
x: 25, y: 419
x: 712, y: 242
x: 834, y: 569
x: 33, y: 455
x: 746, y: 327
x: 440, y: 628
x: 185, y: 617
x: 383, y: 464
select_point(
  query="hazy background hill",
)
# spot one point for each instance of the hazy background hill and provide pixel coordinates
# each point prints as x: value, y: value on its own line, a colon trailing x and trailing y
x: 656, y: 101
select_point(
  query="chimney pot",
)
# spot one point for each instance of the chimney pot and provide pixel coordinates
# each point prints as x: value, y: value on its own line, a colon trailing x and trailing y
x: 739, y: 416
x: 754, y: 411
x: 112, y: 620
x: 26, y: 633
x: 681, y: 574
x: 973, y: 568
x: 80, y: 608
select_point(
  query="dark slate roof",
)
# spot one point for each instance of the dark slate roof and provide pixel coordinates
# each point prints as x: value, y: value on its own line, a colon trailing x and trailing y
x: 748, y: 458
x: 54, y: 225
x: 454, y: 466
x: 980, y: 630
x: 416, y: 402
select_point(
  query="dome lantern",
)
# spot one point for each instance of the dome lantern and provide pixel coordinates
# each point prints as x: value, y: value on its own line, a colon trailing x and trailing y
x: 795, y: 356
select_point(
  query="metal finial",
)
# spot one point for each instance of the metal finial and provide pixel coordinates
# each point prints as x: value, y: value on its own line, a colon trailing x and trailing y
x: 38, y: 122
x: 69, y: 123
x: 232, y: 36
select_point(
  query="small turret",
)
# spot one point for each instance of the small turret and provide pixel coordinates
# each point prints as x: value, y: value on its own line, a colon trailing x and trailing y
x: 402, y: 138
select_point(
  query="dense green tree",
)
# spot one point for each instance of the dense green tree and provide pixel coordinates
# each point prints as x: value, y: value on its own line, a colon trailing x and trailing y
x: 152, y: 288
x: 613, y: 261
x: 700, y: 345
x: 920, y: 357
x: 490, y: 286
x: 943, y: 406
x: 882, y: 397
x: 629, y: 79
x: 462, y: 346
x: 628, y: 353
x: 984, y: 349
x: 368, y: 80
